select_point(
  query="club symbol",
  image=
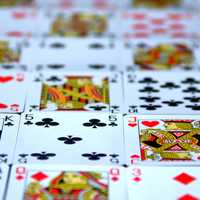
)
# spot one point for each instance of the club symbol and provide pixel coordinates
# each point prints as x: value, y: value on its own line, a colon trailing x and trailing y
x: 98, y: 107
x: 9, y: 124
x: 94, y: 123
x: 94, y: 155
x: 47, y: 122
x: 114, y: 158
x: 43, y: 155
x: 34, y: 107
x: 148, y: 80
x: 173, y: 103
x: 194, y: 107
x: 7, y: 66
x: 191, y: 90
x: 28, y: 123
x: 187, y: 67
x: 150, y: 107
x: 96, y: 66
x: 149, y: 90
x: 70, y: 139
x: 57, y: 45
x: 114, y: 155
x: 150, y: 99
x: 96, y: 46
x: 3, y: 155
x: 170, y: 85
x: 112, y: 124
x: 193, y: 99
x: 114, y: 107
x: 133, y: 108
x: 55, y: 66
x: 54, y: 79
x: 23, y: 155
x: 142, y: 45
x: 190, y: 81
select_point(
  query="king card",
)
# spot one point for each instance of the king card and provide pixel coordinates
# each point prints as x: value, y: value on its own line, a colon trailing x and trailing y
x: 8, y: 135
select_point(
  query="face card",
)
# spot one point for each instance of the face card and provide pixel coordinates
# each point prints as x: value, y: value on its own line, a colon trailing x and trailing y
x: 161, y: 55
x: 75, y: 92
x: 66, y: 182
x: 162, y: 93
x: 8, y: 134
x: 162, y: 139
x: 13, y: 86
x: 173, y: 4
x: 157, y: 24
x: 79, y: 23
x: 173, y: 182
x: 70, y: 138
x: 5, y: 3
x: 10, y: 51
x: 3, y: 179
x: 19, y: 22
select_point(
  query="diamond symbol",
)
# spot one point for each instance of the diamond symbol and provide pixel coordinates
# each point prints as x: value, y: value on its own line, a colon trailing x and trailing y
x: 19, y: 177
x: 40, y: 176
x: 184, y: 178
x: 115, y: 178
x: 137, y: 179
x: 187, y: 197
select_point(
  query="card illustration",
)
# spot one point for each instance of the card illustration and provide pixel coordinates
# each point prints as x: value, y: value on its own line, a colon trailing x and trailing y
x: 8, y: 54
x: 170, y: 140
x: 164, y: 56
x: 67, y: 185
x: 79, y: 24
x: 156, y: 3
x: 75, y: 93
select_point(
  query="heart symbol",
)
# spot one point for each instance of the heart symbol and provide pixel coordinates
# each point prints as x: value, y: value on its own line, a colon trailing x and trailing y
x: 3, y: 106
x: 134, y: 156
x: 4, y: 79
x: 150, y: 123
x: 132, y: 124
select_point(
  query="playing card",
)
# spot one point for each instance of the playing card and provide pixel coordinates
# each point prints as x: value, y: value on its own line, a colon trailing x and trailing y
x: 8, y: 134
x: 13, y: 87
x: 155, y: 54
x: 66, y: 182
x: 11, y: 49
x: 76, y: 138
x: 179, y: 183
x: 3, y: 180
x: 175, y: 4
x: 71, y: 4
x: 162, y: 93
x: 16, y: 3
x: 158, y: 24
x: 19, y: 22
x: 75, y: 91
x: 78, y: 22
x: 162, y: 139
x: 96, y: 55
